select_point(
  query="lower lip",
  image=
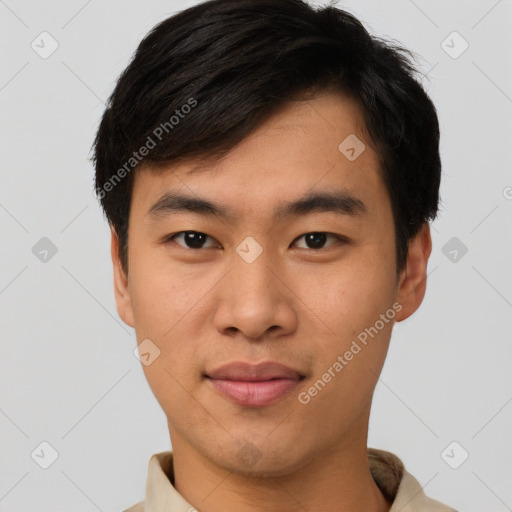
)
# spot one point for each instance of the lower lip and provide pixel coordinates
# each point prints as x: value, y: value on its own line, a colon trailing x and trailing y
x: 255, y: 394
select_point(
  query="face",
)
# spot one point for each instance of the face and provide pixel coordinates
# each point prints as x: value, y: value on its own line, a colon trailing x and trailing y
x: 252, y: 278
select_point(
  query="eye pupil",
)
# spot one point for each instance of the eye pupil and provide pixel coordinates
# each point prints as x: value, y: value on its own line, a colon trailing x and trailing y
x: 193, y: 238
x: 316, y: 239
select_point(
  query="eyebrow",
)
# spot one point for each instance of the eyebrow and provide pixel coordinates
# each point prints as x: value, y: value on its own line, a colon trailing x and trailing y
x: 338, y: 201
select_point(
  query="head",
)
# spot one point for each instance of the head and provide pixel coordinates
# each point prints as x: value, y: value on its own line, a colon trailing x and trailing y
x: 269, y: 170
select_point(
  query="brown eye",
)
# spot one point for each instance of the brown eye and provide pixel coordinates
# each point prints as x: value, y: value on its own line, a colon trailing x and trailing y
x: 191, y: 239
x: 317, y: 239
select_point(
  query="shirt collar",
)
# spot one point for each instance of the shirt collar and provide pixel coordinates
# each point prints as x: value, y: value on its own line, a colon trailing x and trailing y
x: 388, y: 471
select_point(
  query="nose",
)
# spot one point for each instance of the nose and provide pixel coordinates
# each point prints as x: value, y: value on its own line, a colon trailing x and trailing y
x: 255, y: 301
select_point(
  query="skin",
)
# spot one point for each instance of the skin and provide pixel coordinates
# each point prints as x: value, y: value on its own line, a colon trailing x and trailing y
x: 295, y: 304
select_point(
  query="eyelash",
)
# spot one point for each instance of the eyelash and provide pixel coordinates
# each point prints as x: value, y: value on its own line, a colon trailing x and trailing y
x: 339, y: 239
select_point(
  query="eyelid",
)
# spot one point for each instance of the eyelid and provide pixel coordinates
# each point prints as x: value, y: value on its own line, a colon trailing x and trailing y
x: 169, y: 238
x: 339, y: 239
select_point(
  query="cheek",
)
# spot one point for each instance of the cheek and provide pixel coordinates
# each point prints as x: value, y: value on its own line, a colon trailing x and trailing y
x: 163, y: 312
x: 165, y: 302
x: 161, y: 296
x: 351, y: 294
x: 353, y: 336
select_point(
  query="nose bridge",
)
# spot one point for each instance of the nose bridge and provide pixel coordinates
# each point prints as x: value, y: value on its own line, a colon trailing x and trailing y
x: 252, y: 273
x: 256, y: 298
x: 252, y: 263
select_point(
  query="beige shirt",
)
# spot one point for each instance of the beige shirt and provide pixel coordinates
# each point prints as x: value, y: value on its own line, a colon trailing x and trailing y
x: 388, y: 471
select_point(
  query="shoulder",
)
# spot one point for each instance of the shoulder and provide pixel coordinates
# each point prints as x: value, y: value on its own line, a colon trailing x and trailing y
x: 399, y: 486
x: 412, y: 497
x: 139, y: 507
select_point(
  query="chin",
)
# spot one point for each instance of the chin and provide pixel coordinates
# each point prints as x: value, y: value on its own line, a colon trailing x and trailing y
x: 252, y: 461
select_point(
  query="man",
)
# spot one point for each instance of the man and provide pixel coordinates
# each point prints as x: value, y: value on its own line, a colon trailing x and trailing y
x: 269, y: 171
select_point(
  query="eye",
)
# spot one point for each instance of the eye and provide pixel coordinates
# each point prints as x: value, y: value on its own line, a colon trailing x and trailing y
x: 196, y: 240
x: 192, y: 239
x: 316, y: 239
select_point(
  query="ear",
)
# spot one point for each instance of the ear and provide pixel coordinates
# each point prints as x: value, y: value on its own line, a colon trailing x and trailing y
x: 121, y: 292
x: 413, y: 279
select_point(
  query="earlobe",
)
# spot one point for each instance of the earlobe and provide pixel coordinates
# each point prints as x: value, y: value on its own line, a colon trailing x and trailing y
x: 413, y: 280
x: 121, y: 291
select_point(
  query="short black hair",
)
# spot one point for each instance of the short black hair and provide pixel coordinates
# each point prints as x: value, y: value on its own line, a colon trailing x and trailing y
x: 203, y: 79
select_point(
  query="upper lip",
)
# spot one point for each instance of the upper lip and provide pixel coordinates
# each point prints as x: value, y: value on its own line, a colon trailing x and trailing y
x: 242, y: 371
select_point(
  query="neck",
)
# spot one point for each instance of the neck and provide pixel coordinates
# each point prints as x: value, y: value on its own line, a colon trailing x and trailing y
x: 337, y: 479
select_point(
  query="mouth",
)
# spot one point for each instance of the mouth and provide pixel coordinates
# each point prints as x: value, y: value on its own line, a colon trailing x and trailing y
x: 255, y: 393
x: 251, y: 385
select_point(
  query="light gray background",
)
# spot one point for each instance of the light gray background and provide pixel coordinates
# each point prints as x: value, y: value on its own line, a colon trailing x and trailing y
x: 68, y: 374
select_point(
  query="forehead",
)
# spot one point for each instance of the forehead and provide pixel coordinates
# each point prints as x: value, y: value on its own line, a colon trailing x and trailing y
x: 307, y: 146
